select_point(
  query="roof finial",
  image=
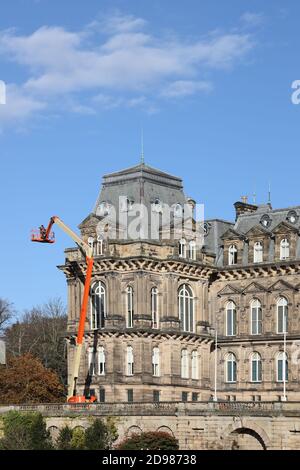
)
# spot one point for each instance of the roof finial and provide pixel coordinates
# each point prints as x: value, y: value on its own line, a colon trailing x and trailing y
x: 269, y: 193
x: 142, y: 147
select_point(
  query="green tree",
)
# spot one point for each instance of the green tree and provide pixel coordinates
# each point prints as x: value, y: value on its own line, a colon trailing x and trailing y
x: 63, y: 442
x: 78, y: 439
x: 100, y: 436
x: 25, y: 431
x: 150, y: 441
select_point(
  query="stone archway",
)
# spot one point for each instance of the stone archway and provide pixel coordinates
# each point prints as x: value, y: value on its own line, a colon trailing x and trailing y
x: 246, y: 439
x: 246, y: 436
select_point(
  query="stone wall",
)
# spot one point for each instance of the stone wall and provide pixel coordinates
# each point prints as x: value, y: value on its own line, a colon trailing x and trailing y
x: 202, y: 425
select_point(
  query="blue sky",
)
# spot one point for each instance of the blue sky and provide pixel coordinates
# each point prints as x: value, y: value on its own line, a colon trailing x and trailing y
x: 209, y: 82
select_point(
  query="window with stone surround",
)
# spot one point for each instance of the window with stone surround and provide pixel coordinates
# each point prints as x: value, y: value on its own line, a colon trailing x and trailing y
x: 154, y: 307
x: 232, y: 255
x: 195, y: 368
x: 186, y: 308
x: 284, y: 249
x: 155, y: 362
x: 256, y: 317
x: 92, y: 361
x: 184, y: 364
x: 192, y: 250
x: 182, y: 248
x: 230, y: 368
x: 231, y: 319
x: 256, y: 367
x: 258, y: 252
x: 129, y: 316
x: 101, y: 360
x: 282, y: 315
x: 98, y: 305
x: 129, y: 361
x: 281, y: 367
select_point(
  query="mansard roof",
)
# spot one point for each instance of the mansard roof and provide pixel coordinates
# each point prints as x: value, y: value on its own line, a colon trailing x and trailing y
x: 232, y: 234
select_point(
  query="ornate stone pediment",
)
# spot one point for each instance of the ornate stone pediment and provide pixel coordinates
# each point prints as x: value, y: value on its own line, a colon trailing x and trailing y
x: 254, y: 287
x: 229, y: 290
x: 282, y: 285
x: 231, y: 234
x: 258, y: 231
x: 284, y: 227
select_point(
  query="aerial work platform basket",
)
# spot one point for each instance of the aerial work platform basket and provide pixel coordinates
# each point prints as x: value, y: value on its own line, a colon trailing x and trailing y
x: 40, y: 235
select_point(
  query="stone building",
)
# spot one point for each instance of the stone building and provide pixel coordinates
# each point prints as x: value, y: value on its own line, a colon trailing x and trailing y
x: 164, y: 287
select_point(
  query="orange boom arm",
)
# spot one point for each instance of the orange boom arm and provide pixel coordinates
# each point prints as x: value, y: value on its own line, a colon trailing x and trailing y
x: 45, y: 235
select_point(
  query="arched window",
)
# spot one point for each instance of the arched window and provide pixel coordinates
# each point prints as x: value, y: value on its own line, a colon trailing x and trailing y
x: 154, y: 307
x: 256, y: 317
x: 195, y: 371
x: 178, y: 210
x: 258, y: 252
x: 101, y: 360
x: 129, y: 316
x: 182, y: 248
x: 186, y: 308
x: 282, y: 315
x: 284, y: 249
x: 256, y: 367
x: 232, y: 255
x: 230, y: 319
x: 129, y: 361
x: 184, y: 364
x: 230, y: 368
x: 92, y: 364
x: 282, y: 367
x: 192, y: 250
x: 155, y: 362
x: 98, y: 306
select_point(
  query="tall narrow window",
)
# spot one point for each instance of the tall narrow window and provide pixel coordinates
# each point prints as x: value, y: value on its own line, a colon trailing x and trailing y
x: 258, y: 252
x: 155, y: 362
x: 154, y: 307
x: 192, y: 250
x: 232, y: 255
x: 101, y: 360
x: 282, y: 315
x: 184, y: 364
x: 282, y: 367
x: 256, y: 317
x: 230, y: 319
x: 98, y: 306
x: 284, y: 249
x: 256, y: 368
x: 230, y: 364
x: 130, y: 362
x: 186, y: 308
x: 92, y: 364
x: 182, y: 248
x: 129, y: 317
x: 195, y: 371
x: 99, y: 246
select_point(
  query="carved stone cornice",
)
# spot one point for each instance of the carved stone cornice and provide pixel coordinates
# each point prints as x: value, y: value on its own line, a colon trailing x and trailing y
x: 263, y: 270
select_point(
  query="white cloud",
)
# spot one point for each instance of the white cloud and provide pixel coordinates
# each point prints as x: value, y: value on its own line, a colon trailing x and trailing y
x: 182, y: 88
x: 116, y: 60
x: 19, y: 105
x: 252, y: 19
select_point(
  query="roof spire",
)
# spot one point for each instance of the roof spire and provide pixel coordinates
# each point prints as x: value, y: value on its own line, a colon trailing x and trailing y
x: 142, y: 147
x: 269, y: 193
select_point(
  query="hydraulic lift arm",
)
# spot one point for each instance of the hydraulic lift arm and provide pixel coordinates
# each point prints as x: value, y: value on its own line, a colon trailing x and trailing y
x: 45, y: 236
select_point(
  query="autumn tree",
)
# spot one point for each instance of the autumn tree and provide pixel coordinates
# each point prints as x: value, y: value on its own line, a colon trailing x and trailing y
x: 40, y: 332
x: 6, y: 313
x: 26, y: 380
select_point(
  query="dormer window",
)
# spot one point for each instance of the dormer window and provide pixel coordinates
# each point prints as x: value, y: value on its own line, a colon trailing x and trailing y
x: 192, y: 250
x: 232, y: 255
x: 292, y: 217
x: 258, y: 252
x: 284, y: 249
x: 265, y: 221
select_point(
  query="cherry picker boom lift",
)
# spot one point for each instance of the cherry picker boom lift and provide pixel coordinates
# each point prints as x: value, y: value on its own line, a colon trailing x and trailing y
x: 45, y: 235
